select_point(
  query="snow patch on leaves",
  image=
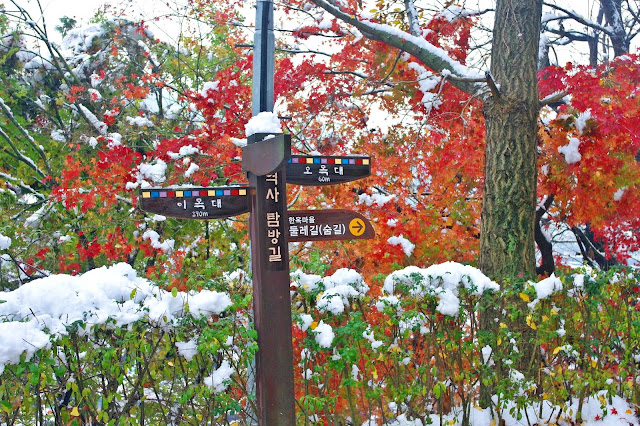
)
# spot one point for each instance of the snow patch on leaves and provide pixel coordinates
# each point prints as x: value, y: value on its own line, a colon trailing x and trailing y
x: 154, y: 172
x: 306, y: 282
x: 427, y: 81
x: 188, y: 349
x: 547, y: 286
x: 193, y: 167
x: 617, y: 196
x: 47, y: 308
x: 139, y: 121
x: 339, y: 288
x: 378, y: 199
x: 570, y: 151
x: 220, y: 378
x: 581, y: 121
x: 5, y: 242
x: 407, y: 246
x: 184, y: 151
x: 154, y: 239
x: 210, y: 85
x: 324, y: 335
x: 442, y: 280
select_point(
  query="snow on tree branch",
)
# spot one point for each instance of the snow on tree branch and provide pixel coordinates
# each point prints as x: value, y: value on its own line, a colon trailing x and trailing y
x: 572, y: 14
x: 412, y: 16
x: 29, y: 138
x: 430, y: 55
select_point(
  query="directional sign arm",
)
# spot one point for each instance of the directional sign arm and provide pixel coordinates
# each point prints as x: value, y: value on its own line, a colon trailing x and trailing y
x: 326, y: 225
x: 326, y: 170
x: 196, y: 203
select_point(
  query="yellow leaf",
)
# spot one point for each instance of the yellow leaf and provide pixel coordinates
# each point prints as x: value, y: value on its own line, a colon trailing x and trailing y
x: 556, y: 350
x: 593, y: 364
x: 314, y: 325
x: 525, y: 297
x: 74, y: 412
x: 375, y: 374
x: 545, y: 318
x: 503, y: 325
x: 530, y: 323
x: 499, y: 341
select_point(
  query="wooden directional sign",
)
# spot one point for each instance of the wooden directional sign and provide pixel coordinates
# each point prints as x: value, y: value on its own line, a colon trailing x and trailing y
x: 196, y: 203
x: 326, y: 170
x: 324, y: 225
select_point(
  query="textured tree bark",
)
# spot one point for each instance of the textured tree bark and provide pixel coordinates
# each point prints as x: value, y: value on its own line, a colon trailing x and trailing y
x: 509, y: 205
x: 613, y: 13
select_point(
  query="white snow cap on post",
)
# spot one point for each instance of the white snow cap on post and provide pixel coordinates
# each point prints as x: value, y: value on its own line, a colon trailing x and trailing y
x: 264, y: 122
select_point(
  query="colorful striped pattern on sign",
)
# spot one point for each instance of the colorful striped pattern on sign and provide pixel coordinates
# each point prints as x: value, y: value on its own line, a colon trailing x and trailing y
x: 193, y: 193
x: 328, y: 160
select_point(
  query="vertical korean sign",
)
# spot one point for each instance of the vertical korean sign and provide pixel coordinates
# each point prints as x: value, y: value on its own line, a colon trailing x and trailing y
x: 265, y: 160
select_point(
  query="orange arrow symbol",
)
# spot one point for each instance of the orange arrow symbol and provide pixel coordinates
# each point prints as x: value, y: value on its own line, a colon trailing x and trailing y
x: 357, y: 227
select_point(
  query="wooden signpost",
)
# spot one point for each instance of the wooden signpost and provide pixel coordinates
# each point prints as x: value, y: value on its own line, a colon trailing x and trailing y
x: 270, y: 166
x: 271, y: 227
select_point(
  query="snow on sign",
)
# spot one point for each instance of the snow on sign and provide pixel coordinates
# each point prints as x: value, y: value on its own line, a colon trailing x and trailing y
x: 324, y: 225
x: 326, y: 170
x: 196, y: 203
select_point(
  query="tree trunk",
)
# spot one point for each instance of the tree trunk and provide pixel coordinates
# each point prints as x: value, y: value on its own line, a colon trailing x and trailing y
x: 613, y: 13
x: 509, y: 204
x: 548, y: 265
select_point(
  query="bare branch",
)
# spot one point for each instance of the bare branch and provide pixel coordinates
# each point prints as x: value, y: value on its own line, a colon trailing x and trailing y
x: 357, y: 74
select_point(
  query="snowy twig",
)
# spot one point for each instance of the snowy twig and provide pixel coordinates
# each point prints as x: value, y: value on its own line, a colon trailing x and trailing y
x: 412, y: 16
x: 29, y: 139
x: 581, y: 19
x: 553, y: 98
x: 495, y: 92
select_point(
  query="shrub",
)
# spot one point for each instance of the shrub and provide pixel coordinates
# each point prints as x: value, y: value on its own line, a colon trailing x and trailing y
x: 422, y: 351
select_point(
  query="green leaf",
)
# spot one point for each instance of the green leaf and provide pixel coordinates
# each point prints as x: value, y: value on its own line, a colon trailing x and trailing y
x: 438, y: 389
x: 5, y: 406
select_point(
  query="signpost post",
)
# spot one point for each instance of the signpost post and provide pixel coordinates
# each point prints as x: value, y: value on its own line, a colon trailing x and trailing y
x: 270, y: 166
x: 269, y: 248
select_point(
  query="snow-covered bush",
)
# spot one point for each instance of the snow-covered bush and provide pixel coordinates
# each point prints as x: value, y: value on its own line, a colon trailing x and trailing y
x: 422, y: 345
